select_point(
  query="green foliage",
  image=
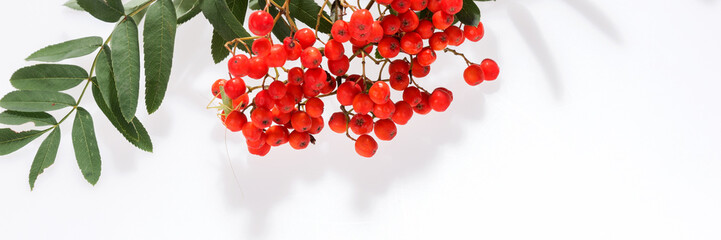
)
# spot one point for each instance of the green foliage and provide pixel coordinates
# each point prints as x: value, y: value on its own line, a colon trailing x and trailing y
x: 86, y: 146
x: 36, y: 101
x: 69, y: 49
x: 104, y: 72
x: 105, y: 10
x: 18, y: 118
x: 133, y: 131
x: 11, y: 141
x: 45, y: 156
x: 73, y: 4
x: 158, y: 43
x: 50, y: 77
x: 217, y: 48
x: 307, y: 11
x: 224, y: 22
x: 469, y: 14
x: 126, y: 66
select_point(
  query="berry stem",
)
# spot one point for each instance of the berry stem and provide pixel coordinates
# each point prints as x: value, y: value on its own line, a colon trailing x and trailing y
x: 458, y: 54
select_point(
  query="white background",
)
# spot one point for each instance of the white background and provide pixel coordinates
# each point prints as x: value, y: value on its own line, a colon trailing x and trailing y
x: 604, y: 124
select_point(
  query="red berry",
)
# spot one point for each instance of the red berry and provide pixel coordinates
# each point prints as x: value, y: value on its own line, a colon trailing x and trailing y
x: 411, y: 43
x: 423, y: 107
x: 384, y: 2
x: 258, y: 142
x: 385, y: 129
x: 315, y: 78
x: 361, y: 124
x: 399, y: 66
x: 299, y: 140
x: 442, y: 20
x: 340, y: 31
x: 366, y: 146
x: 338, y: 122
x: 362, y: 103
x: 260, y: 23
x: 419, y: 70
x: 295, y: 92
x: 473, y: 34
x: 251, y: 132
x: 286, y: 104
x: 309, y: 91
x: 440, y: 99
x: 384, y: 110
x: 367, y: 50
x: 263, y: 100
x: 426, y: 57
x: 473, y: 75
x: 261, y: 47
x: 425, y: 29
x: 399, y: 81
x: 292, y: 48
x: 376, y: 33
x: 260, y: 151
x: 276, y: 136
x: 317, y: 125
x: 295, y: 76
x: 276, y: 90
x: 314, y: 107
x: 261, y: 117
x: 490, y: 69
x: 235, y: 121
x: 333, y: 50
x: 280, y: 117
x: 409, y: 21
x: 277, y: 56
x: 238, y: 65
x: 434, y: 5
x: 438, y: 41
x: 339, y: 67
x: 451, y: 6
x: 412, y: 96
x: 403, y: 113
x: 215, y: 89
x: 401, y: 6
x: 311, y: 57
x: 391, y: 24
x: 360, y: 24
x: 379, y: 93
x: 455, y: 36
x: 257, y: 68
x: 419, y: 5
x: 347, y: 92
x: 305, y: 37
x: 389, y: 47
x: 301, y: 121
x: 241, y: 102
x: 234, y: 88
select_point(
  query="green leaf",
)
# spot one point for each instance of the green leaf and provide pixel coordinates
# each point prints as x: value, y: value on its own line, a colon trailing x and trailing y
x: 134, y: 5
x: 11, y: 141
x: 281, y: 30
x: 184, y: 6
x: 238, y: 8
x: 217, y: 48
x: 254, y: 5
x: 307, y: 11
x: 73, y: 4
x: 104, y: 72
x: 18, y: 118
x: 65, y: 50
x: 190, y: 14
x: 36, y: 101
x: 158, y: 44
x: 133, y: 131
x: 105, y: 10
x: 469, y: 14
x: 224, y: 22
x: 45, y: 156
x: 49, y: 77
x: 126, y: 66
x: 86, y: 146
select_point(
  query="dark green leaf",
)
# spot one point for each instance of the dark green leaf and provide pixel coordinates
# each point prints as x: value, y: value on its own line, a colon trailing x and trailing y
x: 217, y: 48
x: 134, y: 5
x: 184, y: 6
x: 254, y: 5
x: 224, y: 22
x: 86, y: 146
x: 158, y: 43
x: 73, y: 4
x: 69, y: 49
x: 11, y: 141
x: 133, y: 131
x: 307, y: 11
x: 238, y: 8
x: 281, y: 30
x: 104, y: 72
x: 105, y: 10
x: 190, y: 14
x: 45, y: 156
x: 36, y: 101
x: 126, y: 66
x: 18, y: 118
x: 50, y: 77
x: 469, y: 14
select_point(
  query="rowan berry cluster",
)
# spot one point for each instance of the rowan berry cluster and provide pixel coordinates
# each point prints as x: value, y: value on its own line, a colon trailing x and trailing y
x: 290, y: 108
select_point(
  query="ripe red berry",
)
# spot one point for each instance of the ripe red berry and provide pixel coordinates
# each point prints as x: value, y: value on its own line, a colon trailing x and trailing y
x: 311, y: 57
x: 442, y: 20
x: 261, y: 117
x: 339, y: 67
x: 401, y: 6
x: 434, y: 5
x: 411, y: 43
x: 384, y: 2
x: 347, y: 92
x: 309, y: 91
x: 340, y: 31
x: 215, y: 89
x: 423, y: 107
x: 360, y: 24
x: 234, y: 88
x: 384, y: 110
x: 419, y: 5
x: 438, y: 41
x: 391, y: 24
x: 385, y: 129
x: 333, y: 50
x: 315, y: 78
x: 241, y: 102
x: 451, y: 6
x: 276, y: 90
x: 412, y: 96
x: 376, y: 33
x: 362, y: 103
x: 426, y: 57
x: 425, y: 29
x: 263, y: 100
x: 260, y: 23
x: 251, y: 132
x: 238, y: 65
x: 440, y: 99
x: 276, y: 135
x: 338, y: 122
x: 409, y: 21
x: 473, y: 34
x: 399, y: 66
x: 260, y: 151
x: 403, y: 113
x: 235, y: 121
x: 261, y: 47
x: 280, y: 117
x: 277, y: 56
x: 295, y: 92
x: 301, y: 121
x: 295, y: 76
x: 366, y: 146
x: 286, y: 104
x: 257, y: 68
x: 455, y: 36
x: 473, y: 75
x: 317, y: 125
x: 389, y: 47
x: 361, y: 124
x: 314, y: 107
x: 399, y: 81
x: 292, y: 48
x: 490, y: 69
x: 299, y: 140
x: 379, y: 92
x: 367, y: 50
x: 305, y: 37
x: 419, y: 70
